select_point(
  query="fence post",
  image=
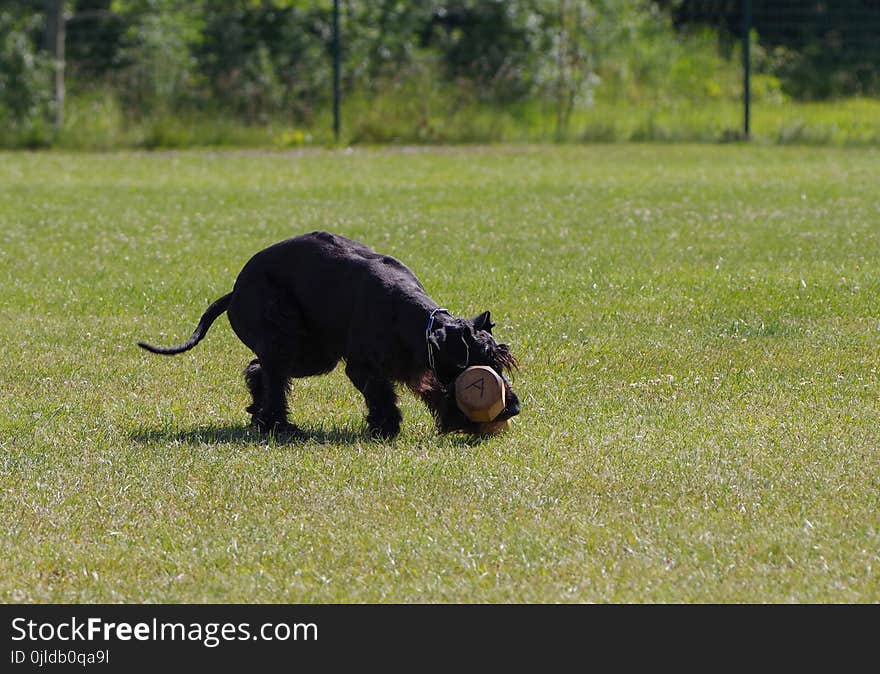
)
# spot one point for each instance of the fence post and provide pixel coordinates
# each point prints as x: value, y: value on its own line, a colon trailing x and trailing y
x: 54, y: 44
x: 747, y: 68
x: 336, y: 69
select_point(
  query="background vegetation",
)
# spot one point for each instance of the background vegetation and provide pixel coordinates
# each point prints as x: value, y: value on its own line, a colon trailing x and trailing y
x: 167, y: 73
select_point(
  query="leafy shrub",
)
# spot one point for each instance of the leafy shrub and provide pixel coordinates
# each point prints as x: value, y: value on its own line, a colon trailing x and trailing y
x: 24, y: 83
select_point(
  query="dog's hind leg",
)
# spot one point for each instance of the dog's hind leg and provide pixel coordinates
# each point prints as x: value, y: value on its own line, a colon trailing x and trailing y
x: 383, y: 415
x: 271, y: 417
x: 253, y: 377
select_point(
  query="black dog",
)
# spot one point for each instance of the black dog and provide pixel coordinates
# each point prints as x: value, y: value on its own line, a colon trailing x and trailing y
x: 303, y: 304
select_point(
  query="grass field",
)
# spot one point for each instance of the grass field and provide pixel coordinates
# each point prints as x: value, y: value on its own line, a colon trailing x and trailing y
x: 699, y: 338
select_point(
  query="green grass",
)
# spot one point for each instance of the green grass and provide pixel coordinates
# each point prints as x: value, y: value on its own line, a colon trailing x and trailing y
x: 698, y: 334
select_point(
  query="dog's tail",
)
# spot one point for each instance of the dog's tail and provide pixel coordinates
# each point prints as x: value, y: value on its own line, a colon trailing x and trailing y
x: 205, y: 322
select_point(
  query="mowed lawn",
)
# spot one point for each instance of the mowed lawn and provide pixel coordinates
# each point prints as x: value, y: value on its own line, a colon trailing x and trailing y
x: 698, y: 330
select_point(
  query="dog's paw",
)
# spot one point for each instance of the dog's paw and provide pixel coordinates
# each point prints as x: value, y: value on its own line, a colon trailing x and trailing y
x: 289, y: 432
x: 281, y: 430
x: 383, y: 434
x: 384, y: 424
x: 387, y: 430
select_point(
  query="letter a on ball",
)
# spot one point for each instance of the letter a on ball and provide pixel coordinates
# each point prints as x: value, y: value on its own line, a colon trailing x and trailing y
x: 479, y: 392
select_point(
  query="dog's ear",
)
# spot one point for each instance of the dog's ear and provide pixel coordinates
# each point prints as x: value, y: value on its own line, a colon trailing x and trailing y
x: 451, y: 348
x: 483, y: 321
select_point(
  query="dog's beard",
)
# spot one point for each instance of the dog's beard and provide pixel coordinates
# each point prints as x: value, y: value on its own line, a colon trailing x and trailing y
x: 504, y: 359
x: 440, y: 400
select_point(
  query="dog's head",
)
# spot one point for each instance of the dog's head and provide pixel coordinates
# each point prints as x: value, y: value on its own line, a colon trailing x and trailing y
x: 459, y: 343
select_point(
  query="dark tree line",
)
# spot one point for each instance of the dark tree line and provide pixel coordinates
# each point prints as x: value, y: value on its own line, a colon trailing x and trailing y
x: 819, y: 48
x: 255, y: 59
x: 260, y: 55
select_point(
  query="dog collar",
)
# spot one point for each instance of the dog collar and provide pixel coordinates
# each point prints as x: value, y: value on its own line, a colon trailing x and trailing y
x: 428, y: 335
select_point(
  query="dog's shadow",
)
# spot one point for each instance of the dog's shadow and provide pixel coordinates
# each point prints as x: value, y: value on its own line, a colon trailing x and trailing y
x: 237, y: 434
x: 245, y: 435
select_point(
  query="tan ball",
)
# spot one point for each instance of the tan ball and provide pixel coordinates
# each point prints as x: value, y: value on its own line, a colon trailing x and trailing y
x: 479, y: 392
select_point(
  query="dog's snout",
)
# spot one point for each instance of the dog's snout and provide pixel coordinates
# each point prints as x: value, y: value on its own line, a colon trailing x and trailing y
x: 511, y: 409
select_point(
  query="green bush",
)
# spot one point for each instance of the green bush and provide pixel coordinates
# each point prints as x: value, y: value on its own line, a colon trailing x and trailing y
x: 24, y: 85
x: 166, y: 73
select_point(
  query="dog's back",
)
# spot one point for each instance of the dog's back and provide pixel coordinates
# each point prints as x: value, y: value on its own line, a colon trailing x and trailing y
x: 328, y: 272
x: 322, y: 288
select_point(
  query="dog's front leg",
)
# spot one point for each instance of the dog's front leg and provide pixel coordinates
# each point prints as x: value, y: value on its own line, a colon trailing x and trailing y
x: 383, y: 415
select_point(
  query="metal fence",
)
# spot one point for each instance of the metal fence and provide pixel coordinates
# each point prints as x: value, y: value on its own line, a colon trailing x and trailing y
x: 840, y: 39
x: 812, y: 50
